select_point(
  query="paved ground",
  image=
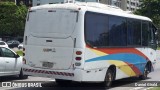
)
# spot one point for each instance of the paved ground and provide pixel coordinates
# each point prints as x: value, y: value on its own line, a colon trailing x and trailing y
x: 123, y: 84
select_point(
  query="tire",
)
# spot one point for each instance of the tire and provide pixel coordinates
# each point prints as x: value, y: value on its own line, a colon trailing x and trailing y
x: 145, y: 73
x: 22, y: 76
x: 108, y: 78
x: 62, y: 82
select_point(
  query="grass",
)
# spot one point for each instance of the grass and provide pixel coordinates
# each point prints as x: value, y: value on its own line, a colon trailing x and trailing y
x: 156, y: 88
x: 20, y: 53
x: 158, y: 48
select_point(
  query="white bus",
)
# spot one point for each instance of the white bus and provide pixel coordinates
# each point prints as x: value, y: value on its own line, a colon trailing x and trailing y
x: 88, y: 42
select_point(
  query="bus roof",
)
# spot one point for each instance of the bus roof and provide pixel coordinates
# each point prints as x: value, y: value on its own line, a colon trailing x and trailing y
x: 93, y: 7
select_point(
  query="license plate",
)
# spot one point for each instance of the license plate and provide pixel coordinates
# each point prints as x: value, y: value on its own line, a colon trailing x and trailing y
x: 47, y: 64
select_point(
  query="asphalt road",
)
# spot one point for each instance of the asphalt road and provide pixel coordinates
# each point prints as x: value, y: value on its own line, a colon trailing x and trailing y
x: 123, y: 84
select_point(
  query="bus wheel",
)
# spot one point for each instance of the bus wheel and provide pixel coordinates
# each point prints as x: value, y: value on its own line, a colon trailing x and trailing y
x: 62, y: 82
x: 145, y: 73
x: 108, y: 78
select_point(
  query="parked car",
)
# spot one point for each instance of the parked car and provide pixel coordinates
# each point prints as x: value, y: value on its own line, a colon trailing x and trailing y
x: 13, y: 43
x: 4, y: 44
x: 11, y: 63
x: 20, y: 46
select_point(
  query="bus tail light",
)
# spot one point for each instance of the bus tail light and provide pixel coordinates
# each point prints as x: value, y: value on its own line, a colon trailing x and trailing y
x: 78, y: 53
x: 78, y: 58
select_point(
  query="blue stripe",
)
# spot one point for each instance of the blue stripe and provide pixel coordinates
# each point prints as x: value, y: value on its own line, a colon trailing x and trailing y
x: 126, y: 57
x: 131, y: 58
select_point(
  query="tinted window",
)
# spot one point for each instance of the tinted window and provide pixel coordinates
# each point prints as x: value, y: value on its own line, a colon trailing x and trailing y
x: 96, y: 29
x: 134, y: 32
x: 1, y: 54
x: 145, y: 33
x: 117, y: 31
x: 2, y: 43
x: 109, y: 30
x: 7, y: 52
x: 152, y: 38
x: 153, y: 31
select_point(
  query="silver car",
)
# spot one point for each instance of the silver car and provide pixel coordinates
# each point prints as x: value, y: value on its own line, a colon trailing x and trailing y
x: 10, y: 63
x: 3, y: 44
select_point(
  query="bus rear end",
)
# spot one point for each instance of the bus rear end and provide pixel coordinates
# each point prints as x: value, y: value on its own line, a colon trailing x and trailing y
x: 49, y: 43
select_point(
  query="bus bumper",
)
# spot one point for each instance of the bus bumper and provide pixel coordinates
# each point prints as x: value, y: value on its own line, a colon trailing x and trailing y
x: 78, y: 75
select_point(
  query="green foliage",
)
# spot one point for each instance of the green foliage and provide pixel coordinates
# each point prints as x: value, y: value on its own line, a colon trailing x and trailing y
x: 156, y: 88
x: 151, y: 9
x: 12, y: 19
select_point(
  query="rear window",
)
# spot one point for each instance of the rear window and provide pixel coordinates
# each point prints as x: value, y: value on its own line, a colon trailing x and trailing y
x: 2, y: 43
x: 52, y: 23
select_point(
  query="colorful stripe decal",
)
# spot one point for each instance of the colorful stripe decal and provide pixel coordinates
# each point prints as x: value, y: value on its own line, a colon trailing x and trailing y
x: 99, y: 53
x: 124, y: 57
x: 120, y: 50
x: 135, y: 69
x: 122, y: 66
x: 128, y: 57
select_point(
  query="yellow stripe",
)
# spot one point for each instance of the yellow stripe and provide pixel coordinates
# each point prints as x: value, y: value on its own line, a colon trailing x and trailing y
x: 99, y: 53
x: 123, y: 66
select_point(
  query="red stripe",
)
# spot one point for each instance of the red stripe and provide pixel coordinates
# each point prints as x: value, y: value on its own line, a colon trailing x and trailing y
x: 46, y: 72
x: 65, y: 74
x: 50, y: 72
x: 120, y: 50
x: 61, y: 73
x: 58, y: 73
x: 42, y: 71
x: 32, y: 70
x: 134, y: 68
x: 69, y: 74
x: 55, y: 73
x: 38, y: 71
x: 29, y: 70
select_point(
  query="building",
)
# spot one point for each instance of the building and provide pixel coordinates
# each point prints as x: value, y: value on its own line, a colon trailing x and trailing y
x: 40, y: 2
x: 127, y: 5
x: 28, y: 3
x: 132, y: 5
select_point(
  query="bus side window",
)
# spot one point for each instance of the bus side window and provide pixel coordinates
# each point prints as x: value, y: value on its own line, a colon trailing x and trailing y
x: 152, y: 36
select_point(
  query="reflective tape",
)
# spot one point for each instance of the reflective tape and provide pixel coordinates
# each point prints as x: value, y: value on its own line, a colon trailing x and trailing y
x: 48, y: 72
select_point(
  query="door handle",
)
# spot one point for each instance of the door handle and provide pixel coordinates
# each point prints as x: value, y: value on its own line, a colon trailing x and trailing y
x: 7, y: 62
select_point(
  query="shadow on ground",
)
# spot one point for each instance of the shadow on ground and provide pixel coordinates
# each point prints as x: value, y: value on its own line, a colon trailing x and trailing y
x: 127, y: 82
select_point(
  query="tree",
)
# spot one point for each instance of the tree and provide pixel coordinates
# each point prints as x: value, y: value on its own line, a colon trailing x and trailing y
x: 12, y: 19
x: 151, y: 9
